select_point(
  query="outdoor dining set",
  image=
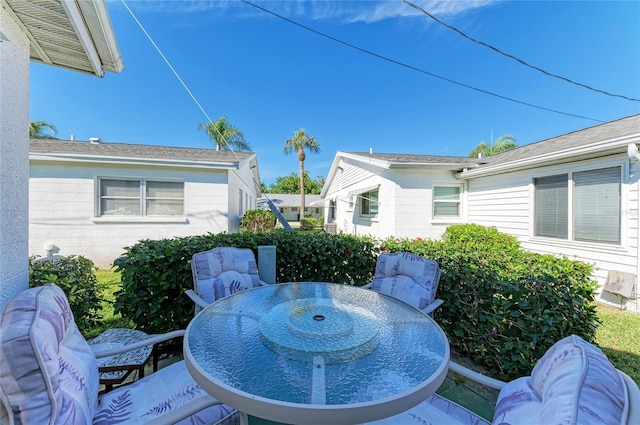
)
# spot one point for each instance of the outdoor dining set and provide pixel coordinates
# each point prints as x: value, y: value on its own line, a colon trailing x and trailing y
x: 308, y: 353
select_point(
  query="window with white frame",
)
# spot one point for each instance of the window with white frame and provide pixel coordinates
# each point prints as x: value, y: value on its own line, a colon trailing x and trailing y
x: 581, y: 206
x: 140, y: 197
x: 369, y: 203
x: 240, y: 210
x: 447, y: 200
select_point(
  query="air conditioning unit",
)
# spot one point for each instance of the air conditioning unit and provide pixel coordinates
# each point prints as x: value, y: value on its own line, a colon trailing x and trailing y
x: 331, y: 228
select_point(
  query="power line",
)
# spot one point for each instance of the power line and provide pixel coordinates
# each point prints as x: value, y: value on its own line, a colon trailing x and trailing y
x: 175, y: 73
x: 521, y: 61
x: 414, y: 68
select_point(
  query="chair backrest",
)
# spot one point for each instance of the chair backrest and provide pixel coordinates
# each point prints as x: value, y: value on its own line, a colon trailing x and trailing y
x: 573, y: 383
x: 48, y: 372
x: 408, y: 277
x: 220, y: 272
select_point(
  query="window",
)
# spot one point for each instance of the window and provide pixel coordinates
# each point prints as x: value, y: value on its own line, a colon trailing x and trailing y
x: 552, y: 206
x: 240, y: 210
x: 369, y: 204
x: 446, y: 201
x: 587, y: 202
x: 332, y: 209
x: 140, y: 198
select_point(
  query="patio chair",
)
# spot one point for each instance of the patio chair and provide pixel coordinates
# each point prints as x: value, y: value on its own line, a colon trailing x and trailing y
x: 409, y: 278
x: 49, y: 374
x: 220, y: 272
x: 572, y: 384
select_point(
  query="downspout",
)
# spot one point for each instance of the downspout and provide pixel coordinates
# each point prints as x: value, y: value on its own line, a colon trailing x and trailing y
x: 634, y: 155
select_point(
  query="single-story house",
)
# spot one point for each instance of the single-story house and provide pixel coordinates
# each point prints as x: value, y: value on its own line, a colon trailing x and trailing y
x: 575, y: 194
x: 289, y: 205
x: 67, y: 34
x: 92, y: 198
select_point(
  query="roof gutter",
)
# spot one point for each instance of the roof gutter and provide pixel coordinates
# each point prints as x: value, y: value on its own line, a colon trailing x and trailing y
x: 632, y: 151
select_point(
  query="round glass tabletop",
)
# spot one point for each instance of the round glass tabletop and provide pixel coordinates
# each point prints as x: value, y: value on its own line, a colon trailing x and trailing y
x: 316, y: 353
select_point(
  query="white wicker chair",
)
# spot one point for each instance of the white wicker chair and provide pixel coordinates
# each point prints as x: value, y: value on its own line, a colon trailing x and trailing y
x: 409, y: 278
x: 572, y: 384
x: 49, y: 374
x: 220, y: 272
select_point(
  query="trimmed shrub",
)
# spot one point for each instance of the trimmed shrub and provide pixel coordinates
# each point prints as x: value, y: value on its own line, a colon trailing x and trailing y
x: 308, y: 223
x: 155, y: 273
x: 503, y: 306
x: 258, y: 221
x: 75, y: 275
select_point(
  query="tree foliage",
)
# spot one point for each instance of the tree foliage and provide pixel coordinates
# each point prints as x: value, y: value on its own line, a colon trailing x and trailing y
x: 291, y: 184
x: 224, y: 135
x: 37, y: 130
x: 298, y: 143
x: 503, y: 143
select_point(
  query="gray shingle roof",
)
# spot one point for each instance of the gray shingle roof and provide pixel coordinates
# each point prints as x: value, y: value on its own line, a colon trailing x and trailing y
x: 122, y: 150
x: 418, y: 159
x: 600, y: 133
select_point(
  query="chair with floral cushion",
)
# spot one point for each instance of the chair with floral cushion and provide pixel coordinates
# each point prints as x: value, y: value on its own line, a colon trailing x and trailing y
x: 409, y: 278
x: 572, y: 384
x: 49, y: 374
x: 220, y: 272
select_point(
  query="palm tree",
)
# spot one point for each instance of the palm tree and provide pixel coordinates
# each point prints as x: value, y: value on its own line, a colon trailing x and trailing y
x: 298, y: 143
x: 224, y: 135
x: 503, y: 143
x: 36, y: 130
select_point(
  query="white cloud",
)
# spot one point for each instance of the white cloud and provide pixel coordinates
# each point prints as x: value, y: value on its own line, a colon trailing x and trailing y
x: 341, y: 11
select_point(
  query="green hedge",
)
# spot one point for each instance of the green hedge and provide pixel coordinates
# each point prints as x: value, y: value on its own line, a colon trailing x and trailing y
x: 503, y: 306
x: 155, y: 273
x: 75, y: 275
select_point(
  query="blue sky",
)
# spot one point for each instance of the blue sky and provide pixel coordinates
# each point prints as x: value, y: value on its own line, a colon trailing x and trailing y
x: 271, y: 77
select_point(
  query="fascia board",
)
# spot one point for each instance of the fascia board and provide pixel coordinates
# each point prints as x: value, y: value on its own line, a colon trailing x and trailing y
x: 132, y: 161
x: 439, y: 165
x: 76, y: 19
x: 546, y: 159
x: 332, y: 172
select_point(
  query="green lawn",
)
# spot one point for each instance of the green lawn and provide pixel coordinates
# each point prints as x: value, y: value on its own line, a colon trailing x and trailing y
x: 619, y: 338
x: 618, y: 335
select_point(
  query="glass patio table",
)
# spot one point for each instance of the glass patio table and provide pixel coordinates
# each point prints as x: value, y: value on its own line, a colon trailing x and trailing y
x: 316, y: 353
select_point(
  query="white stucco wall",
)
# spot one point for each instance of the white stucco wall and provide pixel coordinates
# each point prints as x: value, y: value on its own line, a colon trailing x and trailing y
x: 63, y: 209
x: 14, y: 159
x: 506, y: 202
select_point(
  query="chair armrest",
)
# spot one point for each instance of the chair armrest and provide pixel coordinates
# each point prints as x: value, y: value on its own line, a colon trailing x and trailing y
x: 367, y: 286
x: 475, y: 376
x: 429, y: 309
x: 196, y: 298
x: 633, y: 392
x: 152, y: 340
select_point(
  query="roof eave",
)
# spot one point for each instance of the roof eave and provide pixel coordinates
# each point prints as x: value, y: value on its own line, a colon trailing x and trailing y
x: 550, y: 158
x: 42, y: 156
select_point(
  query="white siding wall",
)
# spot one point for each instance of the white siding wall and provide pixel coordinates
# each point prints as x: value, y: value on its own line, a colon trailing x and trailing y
x: 414, y: 204
x: 506, y: 202
x: 241, y: 179
x: 70, y: 223
x: 502, y: 200
x: 14, y: 159
x: 405, y: 201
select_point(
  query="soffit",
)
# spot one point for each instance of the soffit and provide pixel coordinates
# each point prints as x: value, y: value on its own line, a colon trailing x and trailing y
x: 67, y: 33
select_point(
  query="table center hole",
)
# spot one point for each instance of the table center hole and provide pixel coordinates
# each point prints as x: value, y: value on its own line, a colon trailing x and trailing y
x: 318, y: 317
